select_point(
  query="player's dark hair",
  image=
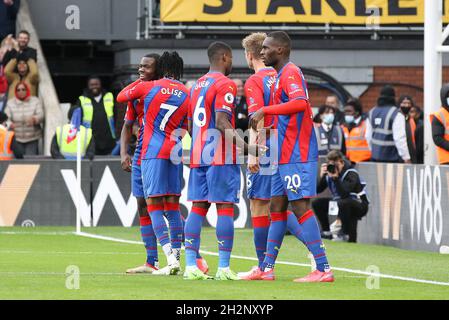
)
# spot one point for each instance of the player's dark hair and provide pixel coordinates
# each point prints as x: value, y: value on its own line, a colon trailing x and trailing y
x: 282, y: 38
x: 156, y: 58
x: 216, y: 49
x: 355, y: 103
x: 170, y: 64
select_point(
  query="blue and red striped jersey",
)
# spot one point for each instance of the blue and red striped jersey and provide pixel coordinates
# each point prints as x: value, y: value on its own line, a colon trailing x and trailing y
x: 213, y: 92
x: 165, y: 107
x: 259, y: 90
x: 296, y: 136
x: 134, y: 112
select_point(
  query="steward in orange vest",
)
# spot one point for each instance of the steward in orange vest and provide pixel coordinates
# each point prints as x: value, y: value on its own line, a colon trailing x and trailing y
x: 9, y: 148
x: 440, y: 126
x: 354, y: 129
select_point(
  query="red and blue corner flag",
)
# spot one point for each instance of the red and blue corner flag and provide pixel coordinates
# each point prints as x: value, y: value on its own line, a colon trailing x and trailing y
x: 75, y: 123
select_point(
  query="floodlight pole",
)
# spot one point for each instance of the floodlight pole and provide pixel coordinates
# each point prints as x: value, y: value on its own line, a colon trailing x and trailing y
x: 433, y: 49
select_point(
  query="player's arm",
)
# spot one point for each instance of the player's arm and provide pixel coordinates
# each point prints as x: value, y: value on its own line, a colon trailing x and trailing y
x: 223, y: 113
x: 254, y: 98
x: 292, y: 85
x: 133, y: 91
x: 125, y: 137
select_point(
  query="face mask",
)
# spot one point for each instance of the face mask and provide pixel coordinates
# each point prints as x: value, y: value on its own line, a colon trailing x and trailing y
x: 328, y: 118
x: 405, y: 110
x: 447, y: 100
x: 349, y: 119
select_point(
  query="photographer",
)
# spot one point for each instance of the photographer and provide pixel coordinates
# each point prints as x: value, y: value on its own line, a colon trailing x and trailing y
x: 349, y: 201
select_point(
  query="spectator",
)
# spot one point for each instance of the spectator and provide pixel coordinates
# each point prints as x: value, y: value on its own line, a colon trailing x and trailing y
x: 22, y: 70
x: 411, y: 124
x: 9, y: 148
x: 8, y: 15
x: 354, y: 129
x: 333, y: 101
x: 26, y: 116
x: 7, y: 44
x: 440, y: 126
x: 64, y: 144
x: 385, y: 130
x: 329, y: 135
x: 3, y: 100
x: 241, y: 108
x: 98, y: 114
x: 22, y: 50
x: 349, y: 201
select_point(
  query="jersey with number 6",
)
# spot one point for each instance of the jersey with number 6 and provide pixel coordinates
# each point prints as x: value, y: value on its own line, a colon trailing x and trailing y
x: 166, y: 102
x: 213, y: 92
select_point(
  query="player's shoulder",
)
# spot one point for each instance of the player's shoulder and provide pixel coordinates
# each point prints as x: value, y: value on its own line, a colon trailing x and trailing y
x: 223, y: 83
x: 290, y: 69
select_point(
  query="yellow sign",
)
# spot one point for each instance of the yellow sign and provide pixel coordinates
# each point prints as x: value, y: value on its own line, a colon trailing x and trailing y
x: 353, y: 12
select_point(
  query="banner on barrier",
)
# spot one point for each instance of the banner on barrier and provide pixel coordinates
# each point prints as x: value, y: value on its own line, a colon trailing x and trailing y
x: 352, y: 12
x: 408, y: 203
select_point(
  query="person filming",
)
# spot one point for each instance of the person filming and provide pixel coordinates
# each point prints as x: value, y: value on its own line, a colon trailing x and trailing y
x: 349, y: 201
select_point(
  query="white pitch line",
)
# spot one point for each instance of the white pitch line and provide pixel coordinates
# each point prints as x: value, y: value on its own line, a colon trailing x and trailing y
x: 380, y: 275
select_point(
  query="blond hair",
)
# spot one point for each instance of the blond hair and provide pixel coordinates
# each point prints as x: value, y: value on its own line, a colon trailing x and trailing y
x: 253, y: 43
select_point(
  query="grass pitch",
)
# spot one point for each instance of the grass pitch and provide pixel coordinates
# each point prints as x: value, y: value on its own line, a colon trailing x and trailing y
x: 34, y: 261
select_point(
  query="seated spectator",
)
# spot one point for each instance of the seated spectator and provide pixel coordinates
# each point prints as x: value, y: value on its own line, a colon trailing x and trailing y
x: 9, y: 148
x: 333, y: 101
x: 385, y: 130
x: 440, y: 126
x: 354, y: 128
x: 349, y: 201
x: 22, y: 70
x: 241, y: 108
x: 329, y: 136
x: 8, y: 15
x: 98, y: 114
x: 22, y: 49
x: 64, y: 144
x: 26, y: 115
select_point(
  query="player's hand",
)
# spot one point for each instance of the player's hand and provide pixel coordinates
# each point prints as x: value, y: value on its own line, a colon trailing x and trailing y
x: 254, y: 167
x: 323, y: 171
x: 257, y: 150
x: 257, y: 116
x: 126, y: 163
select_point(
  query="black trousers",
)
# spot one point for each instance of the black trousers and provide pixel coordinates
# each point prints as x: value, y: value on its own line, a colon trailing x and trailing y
x: 350, y: 211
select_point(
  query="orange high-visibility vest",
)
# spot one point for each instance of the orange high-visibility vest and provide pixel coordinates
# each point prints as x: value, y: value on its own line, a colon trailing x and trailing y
x: 443, y: 116
x: 5, y: 144
x: 357, y: 149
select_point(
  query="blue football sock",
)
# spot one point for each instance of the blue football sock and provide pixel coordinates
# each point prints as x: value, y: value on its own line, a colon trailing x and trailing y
x: 149, y: 239
x: 198, y: 255
x: 225, y: 235
x: 312, y: 239
x: 294, y: 227
x: 192, y: 232
x: 275, y: 237
x: 261, y: 225
x: 175, y: 224
x: 159, y: 225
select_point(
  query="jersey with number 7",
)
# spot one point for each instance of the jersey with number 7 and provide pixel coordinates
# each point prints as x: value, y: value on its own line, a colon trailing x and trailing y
x: 213, y: 92
x: 166, y: 103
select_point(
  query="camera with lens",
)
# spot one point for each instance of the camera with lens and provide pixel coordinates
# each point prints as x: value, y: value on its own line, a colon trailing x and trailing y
x: 331, y: 168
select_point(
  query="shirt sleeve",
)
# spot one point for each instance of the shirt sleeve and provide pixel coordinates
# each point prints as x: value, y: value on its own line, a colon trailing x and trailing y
x: 134, y: 92
x: 130, y: 115
x: 293, y: 84
x: 400, y: 137
x: 225, y: 98
x: 254, y: 96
